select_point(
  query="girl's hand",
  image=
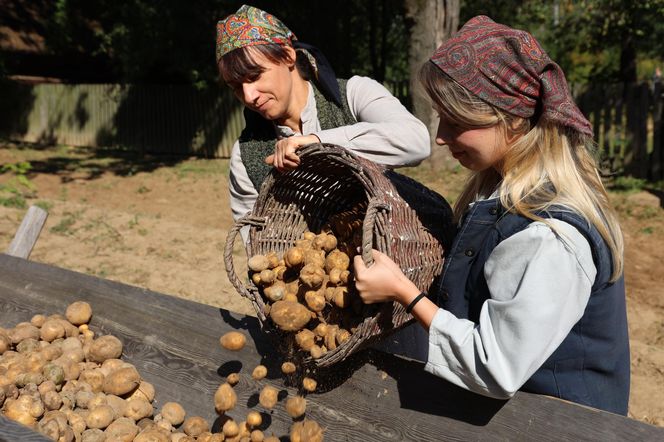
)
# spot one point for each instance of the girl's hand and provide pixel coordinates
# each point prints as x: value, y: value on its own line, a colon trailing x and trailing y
x: 284, y: 157
x: 383, y: 281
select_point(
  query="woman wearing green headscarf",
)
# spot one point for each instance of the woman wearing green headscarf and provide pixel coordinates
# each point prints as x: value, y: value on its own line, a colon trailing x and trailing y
x: 292, y: 98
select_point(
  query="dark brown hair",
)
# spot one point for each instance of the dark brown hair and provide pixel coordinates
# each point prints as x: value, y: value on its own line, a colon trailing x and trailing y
x: 239, y: 65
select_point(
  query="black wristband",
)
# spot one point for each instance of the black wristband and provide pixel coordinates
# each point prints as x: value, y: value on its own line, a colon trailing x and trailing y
x: 415, y: 301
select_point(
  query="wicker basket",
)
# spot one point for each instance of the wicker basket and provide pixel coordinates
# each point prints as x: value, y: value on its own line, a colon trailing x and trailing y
x: 404, y: 219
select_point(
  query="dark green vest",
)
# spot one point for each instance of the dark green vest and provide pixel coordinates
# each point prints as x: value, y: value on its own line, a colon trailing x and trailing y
x: 258, y: 138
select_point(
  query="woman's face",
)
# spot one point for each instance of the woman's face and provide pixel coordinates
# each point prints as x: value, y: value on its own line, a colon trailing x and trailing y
x: 268, y: 93
x: 475, y: 149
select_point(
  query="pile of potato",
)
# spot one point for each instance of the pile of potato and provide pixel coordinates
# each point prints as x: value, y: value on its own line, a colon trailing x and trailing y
x: 59, y: 379
x: 309, y: 291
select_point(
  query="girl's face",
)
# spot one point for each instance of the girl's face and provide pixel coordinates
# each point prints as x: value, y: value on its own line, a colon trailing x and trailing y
x: 475, y: 149
x: 268, y: 93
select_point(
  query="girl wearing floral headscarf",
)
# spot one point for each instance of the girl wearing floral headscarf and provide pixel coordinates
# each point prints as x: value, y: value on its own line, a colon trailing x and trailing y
x: 293, y: 98
x: 532, y: 295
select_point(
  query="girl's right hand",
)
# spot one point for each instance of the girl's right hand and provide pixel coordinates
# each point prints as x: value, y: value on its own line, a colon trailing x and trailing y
x: 383, y: 281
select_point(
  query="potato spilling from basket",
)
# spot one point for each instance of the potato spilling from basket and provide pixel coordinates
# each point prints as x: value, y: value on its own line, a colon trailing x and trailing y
x: 310, y: 290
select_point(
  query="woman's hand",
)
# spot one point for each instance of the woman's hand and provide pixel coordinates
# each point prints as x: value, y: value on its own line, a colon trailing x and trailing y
x: 284, y: 157
x: 383, y: 281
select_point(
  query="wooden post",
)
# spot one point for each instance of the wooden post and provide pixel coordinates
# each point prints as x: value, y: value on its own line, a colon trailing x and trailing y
x: 657, y: 168
x: 28, y: 233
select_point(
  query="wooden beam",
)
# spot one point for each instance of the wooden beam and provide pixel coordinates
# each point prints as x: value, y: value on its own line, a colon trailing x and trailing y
x: 28, y: 233
x: 370, y: 397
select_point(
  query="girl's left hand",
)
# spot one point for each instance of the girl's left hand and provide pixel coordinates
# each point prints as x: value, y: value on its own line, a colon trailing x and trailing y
x: 284, y: 157
x: 383, y: 281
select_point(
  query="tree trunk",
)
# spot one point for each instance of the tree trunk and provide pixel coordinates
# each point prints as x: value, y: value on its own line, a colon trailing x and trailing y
x: 431, y: 22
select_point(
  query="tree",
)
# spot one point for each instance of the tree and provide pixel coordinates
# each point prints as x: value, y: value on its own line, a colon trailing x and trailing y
x: 431, y: 22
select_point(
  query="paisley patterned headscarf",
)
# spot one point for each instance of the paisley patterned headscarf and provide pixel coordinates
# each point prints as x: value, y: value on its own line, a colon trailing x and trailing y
x: 251, y: 26
x: 509, y: 69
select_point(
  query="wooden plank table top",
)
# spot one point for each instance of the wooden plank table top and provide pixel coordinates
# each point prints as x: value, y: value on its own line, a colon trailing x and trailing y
x: 373, y: 396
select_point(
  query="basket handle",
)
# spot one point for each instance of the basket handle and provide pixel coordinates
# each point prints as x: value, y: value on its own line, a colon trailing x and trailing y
x: 368, y: 227
x: 247, y: 220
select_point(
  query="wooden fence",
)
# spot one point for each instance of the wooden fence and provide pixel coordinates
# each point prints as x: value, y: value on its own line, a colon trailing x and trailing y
x: 178, y: 119
x: 627, y: 122
x: 166, y: 119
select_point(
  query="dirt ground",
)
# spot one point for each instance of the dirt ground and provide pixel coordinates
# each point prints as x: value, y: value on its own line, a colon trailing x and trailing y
x: 161, y: 223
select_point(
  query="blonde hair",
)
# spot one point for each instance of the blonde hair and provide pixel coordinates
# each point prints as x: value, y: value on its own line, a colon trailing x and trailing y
x: 545, y: 165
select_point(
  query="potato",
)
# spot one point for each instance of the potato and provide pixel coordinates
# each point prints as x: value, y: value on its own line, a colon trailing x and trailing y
x: 22, y: 331
x: 256, y: 436
x: 306, y: 431
x: 276, y: 291
x: 121, y: 430
x: 254, y: 419
x: 259, y: 372
x: 342, y: 336
x: 312, y: 275
x: 309, y: 384
x: 119, y: 405
x: 304, y: 244
x: 294, y: 257
x: 51, y: 330
x: 316, y: 351
x: 137, y: 409
x: 296, y: 406
x: 314, y: 300
x: 288, y: 368
x: 195, y: 425
x: 315, y: 257
x: 305, y: 339
x: 78, y: 313
x: 330, y: 243
x: 52, y: 400
x: 279, y: 271
x: 121, y: 381
x: 173, y: 413
x: 233, y: 341
x: 145, y: 391
x: 336, y: 260
x: 95, y: 435
x: 267, y: 277
x: 321, y: 329
x: 331, y: 337
x: 289, y: 316
x: 341, y: 297
x: 100, y: 417
x: 309, y: 236
x: 272, y: 259
x: 224, y: 398
x: 233, y: 378
x: 5, y: 342
x: 94, y: 377
x: 272, y: 438
x: 335, y: 276
x: 268, y: 397
x: 105, y: 347
x: 230, y: 428
x: 258, y: 263
x: 152, y: 435
x: 38, y: 320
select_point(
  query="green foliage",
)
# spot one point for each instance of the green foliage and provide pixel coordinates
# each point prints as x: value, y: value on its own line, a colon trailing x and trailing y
x: 592, y: 40
x: 173, y: 41
x: 15, y: 191
x: 627, y: 184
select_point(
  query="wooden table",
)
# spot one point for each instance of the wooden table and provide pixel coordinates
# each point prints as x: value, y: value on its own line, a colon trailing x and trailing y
x: 174, y: 343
